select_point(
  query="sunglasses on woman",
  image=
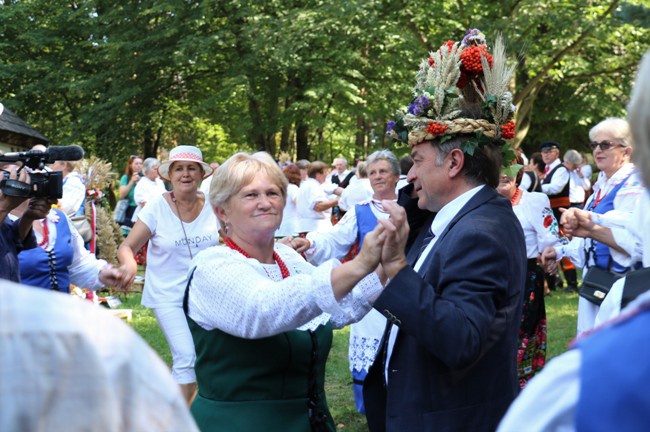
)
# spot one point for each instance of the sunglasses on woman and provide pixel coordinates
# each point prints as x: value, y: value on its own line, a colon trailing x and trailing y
x: 604, y: 145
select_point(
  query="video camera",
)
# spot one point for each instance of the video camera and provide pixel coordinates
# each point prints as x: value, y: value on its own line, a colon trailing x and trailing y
x: 48, y: 184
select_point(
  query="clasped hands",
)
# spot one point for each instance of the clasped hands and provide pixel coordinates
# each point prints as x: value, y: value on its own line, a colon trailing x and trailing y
x: 384, y: 245
x: 576, y: 223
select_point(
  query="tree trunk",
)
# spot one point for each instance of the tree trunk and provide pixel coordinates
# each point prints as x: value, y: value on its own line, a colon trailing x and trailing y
x: 148, y: 143
x: 256, y: 136
x: 285, y: 143
x: 302, y: 141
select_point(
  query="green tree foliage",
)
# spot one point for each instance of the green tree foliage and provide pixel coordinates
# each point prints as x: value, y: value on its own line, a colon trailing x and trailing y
x: 311, y: 78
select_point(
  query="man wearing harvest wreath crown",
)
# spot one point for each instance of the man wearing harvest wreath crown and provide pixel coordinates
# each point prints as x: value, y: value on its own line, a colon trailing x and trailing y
x: 448, y: 356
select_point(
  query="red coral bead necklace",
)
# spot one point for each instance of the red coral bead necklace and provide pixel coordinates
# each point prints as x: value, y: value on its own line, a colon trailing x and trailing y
x: 515, y: 197
x: 283, y: 267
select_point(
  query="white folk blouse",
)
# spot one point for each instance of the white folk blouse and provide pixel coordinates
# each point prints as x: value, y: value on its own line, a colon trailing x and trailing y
x: 248, y: 299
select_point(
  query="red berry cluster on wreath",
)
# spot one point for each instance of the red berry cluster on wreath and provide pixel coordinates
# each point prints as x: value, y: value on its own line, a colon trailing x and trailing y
x: 471, y: 58
x: 508, y: 130
x: 435, y: 128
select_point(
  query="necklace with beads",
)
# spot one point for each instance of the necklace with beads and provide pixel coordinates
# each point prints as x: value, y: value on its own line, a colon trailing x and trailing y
x: 515, y: 197
x: 283, y: 267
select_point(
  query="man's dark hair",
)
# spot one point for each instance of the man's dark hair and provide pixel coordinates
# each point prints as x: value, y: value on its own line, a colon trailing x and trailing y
x: 536, y: 159
x: 483, y: 167
x: 405, y: 164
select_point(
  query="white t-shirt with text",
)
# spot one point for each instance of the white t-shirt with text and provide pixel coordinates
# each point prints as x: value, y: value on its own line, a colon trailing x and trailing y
x: 168, y: 255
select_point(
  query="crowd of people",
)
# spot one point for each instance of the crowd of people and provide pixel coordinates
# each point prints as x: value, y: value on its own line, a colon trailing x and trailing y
x: 439, y: 262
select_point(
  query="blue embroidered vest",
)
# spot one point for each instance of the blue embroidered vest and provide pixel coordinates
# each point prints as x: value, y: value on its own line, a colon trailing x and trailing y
x: 366, y: 221
x: 49, y: 269
x: 613, y: 378
x: 602, y: 254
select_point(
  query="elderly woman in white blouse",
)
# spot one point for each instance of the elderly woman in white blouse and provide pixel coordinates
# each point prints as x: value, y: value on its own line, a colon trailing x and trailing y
x: 261, y: 316
x: 149, y: 186
x: 533, y: 209
x: 616, y: 194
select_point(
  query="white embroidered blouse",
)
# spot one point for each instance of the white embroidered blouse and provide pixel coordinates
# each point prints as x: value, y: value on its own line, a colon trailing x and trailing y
x: 537, y: 220
x: 248, y: 299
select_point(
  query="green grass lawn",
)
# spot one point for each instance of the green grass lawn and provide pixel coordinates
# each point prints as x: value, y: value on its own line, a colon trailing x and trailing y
x: 561, y: 310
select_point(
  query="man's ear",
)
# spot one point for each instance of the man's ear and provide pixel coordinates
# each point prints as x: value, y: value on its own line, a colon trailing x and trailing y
x: 456, y: 161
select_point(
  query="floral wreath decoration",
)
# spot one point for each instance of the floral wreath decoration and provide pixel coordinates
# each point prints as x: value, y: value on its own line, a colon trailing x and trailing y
x: 462, y: 89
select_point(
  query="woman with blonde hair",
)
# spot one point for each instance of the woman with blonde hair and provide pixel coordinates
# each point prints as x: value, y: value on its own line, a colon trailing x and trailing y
x: 261, y: 316
x: 616, y: 194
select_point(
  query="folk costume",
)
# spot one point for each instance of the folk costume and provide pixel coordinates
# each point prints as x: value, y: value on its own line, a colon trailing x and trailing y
x: 611, y: 205
x: 588, y: 387
x: 636, y: 238
x: 60, y: 259
x: 556, y: 185
x: 262, y: 334
x: 541, y: 229
x: 342, y: 180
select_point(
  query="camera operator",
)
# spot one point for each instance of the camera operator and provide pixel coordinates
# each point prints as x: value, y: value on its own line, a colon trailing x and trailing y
x: 17, y: 235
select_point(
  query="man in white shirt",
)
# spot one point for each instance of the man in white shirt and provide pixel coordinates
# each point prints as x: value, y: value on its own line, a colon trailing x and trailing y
x: 579, y: 183
x: 341, y: 176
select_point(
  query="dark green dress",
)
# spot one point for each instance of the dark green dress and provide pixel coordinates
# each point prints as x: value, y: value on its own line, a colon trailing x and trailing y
x: 261, y: 384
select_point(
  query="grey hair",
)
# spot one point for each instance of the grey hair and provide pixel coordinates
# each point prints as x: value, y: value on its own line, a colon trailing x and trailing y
x: 639, y: 117
x: 149, y: 164
x: 617, y: 127
x: 573, y: 157
x: 445, y: 148
x: 387, y: 156
x: 362, y: 170
x: 303, y: 164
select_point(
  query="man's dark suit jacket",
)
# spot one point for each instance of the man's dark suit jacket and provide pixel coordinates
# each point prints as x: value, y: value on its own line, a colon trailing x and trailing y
x: 454, y: 365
